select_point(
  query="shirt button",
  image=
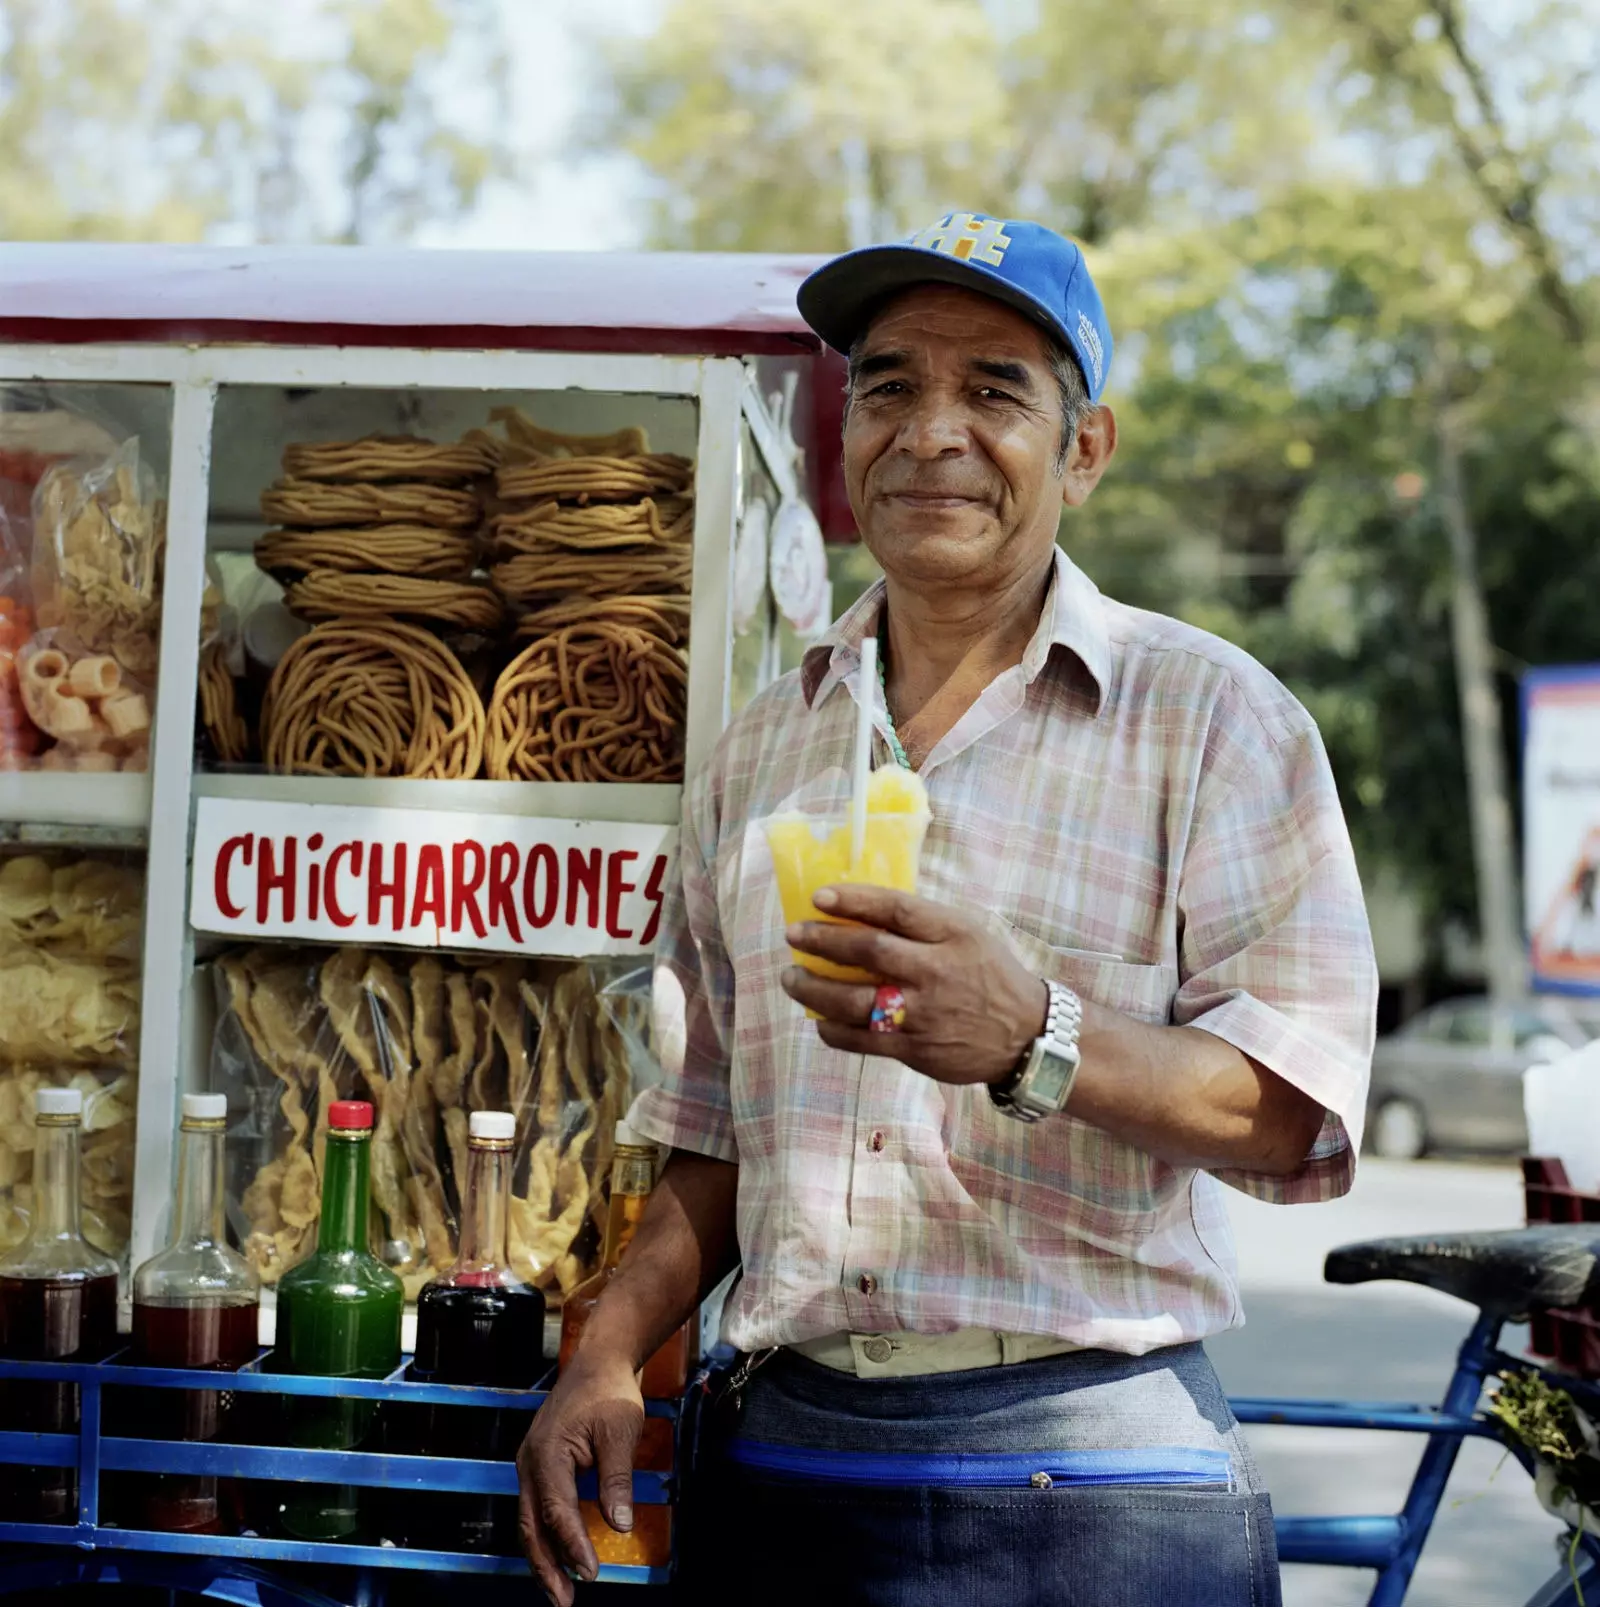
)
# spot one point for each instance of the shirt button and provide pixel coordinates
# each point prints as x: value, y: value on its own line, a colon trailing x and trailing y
x: 867, y: 1284
x: 878, y: 1350
x: 875, y: 1143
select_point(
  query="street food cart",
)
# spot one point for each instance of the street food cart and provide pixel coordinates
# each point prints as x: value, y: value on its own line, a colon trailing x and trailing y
x: 361, y: 613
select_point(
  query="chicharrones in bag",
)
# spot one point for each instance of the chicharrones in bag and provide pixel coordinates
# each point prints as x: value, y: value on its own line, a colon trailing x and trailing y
x: 69, y: 1017
x: 428, y: 1039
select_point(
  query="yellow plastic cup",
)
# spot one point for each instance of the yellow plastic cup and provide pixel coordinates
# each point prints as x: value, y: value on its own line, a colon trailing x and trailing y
x: 810, y: 852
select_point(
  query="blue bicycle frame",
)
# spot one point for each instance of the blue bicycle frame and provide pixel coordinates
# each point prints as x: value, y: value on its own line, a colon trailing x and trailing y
x: 1391, y: 1544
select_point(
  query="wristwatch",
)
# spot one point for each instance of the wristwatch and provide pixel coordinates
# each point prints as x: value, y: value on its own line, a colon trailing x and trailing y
x: 1042, y: 1084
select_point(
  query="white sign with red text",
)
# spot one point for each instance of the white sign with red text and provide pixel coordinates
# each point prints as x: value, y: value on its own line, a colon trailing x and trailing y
x: 433, y: 880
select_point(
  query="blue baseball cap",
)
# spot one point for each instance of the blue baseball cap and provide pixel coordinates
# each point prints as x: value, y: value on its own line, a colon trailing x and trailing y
x: 1025, y: 265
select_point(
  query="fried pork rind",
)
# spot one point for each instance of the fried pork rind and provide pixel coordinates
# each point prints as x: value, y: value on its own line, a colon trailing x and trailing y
x: 428, y: 1039
x: 69, y: 1017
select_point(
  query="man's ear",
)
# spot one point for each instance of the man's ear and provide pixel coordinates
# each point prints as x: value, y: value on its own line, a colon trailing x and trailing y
x: 1091, y: 454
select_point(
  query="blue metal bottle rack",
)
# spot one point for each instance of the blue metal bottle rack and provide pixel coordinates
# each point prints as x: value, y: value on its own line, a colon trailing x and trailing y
x: 230, y: 1567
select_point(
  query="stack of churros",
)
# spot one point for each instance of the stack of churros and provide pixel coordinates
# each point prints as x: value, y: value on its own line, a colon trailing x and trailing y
x: 591, y: 545
x: 366, y: 698
x: 587, y: 516
x: 594, y: 701
x: 666, y: 617
x: 382, y: 528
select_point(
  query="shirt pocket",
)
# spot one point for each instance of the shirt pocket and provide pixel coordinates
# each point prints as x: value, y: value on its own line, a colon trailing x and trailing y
x: 1144, y: 992
x: 1061, y: 1181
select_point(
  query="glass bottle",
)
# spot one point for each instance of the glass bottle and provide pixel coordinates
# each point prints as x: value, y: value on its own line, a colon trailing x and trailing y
x: 195, y: 1304
x: 478, y: 1323
x: 663, y: 1377
x: 58, y: 1302
x: 339, y: 1317
x: 633, y: 1175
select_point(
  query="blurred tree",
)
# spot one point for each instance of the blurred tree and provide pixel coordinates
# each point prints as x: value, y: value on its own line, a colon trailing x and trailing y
x: 178, y: 119
x: 1317, y: 228
x: 771, y: 122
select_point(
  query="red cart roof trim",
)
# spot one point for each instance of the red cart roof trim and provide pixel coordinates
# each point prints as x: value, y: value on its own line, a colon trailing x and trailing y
x: 676, y: 302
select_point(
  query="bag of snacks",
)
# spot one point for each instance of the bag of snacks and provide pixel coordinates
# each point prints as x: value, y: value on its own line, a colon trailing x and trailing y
x: 99, y: 542
x: 627, y: 1002
x: 19, y: 737
x: 33, y: 437
x: 428, y: 1038
x: 96, y: 715
x: 70, y: 927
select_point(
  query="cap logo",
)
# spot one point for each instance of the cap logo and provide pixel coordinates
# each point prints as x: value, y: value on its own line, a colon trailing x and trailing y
x: 1090, y: 336
x: 967, y: 236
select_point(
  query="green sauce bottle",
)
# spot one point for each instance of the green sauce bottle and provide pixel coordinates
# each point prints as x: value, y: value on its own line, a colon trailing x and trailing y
x: 339, y: 1317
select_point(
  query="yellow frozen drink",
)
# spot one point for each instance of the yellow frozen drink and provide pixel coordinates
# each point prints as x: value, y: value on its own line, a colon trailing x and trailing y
x: 810, y: 852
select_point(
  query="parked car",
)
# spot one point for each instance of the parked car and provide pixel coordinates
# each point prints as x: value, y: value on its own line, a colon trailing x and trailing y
x: 1451, y: 1077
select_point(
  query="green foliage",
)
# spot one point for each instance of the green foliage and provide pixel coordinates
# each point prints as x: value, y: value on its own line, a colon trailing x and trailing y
x: 1320, y: 232
x: 181, y: 119
x: 764, y: 121
x: 1546, y: 1421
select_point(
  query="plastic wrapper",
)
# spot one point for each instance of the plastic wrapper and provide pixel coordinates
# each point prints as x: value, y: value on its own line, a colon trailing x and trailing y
x: 428, y: 1039
x: 627, y: 1002
x: 69, y: 1017
x: 99, y: 543
x: 94, y: 714
x: 33, y: 437
x: 19, y: 736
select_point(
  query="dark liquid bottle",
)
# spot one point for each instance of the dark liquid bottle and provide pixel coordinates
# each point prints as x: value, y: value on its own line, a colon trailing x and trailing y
x: 58, y: 1302
x: 477, y: 1324
x: 195, y: 1305
x: 338, y: 1316
x: 664, y: 1376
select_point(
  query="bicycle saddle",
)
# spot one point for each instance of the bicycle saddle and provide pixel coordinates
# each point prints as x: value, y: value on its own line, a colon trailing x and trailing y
x: 1504, y: 1274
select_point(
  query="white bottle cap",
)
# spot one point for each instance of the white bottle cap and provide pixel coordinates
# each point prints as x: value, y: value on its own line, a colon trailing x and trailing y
x: 495, y: 1124
x: 59, y: 1102
x: 633, y: 1137
x: 205, y: 1107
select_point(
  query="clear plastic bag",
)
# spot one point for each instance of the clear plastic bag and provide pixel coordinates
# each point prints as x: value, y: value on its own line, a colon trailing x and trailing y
x: 428, y: 1039
x: 34, y: 435
x: 99, y: 544
x: 70, y: 929
x: 95, y: 715
x: 627, y: 1003
x: 19, y: 736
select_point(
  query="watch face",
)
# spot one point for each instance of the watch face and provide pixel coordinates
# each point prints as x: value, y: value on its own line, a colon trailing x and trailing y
x: 1051, y: 1079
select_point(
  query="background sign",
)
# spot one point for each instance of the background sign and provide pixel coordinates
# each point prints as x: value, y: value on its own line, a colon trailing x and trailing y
x: 560, y: 887
x: 1561, y: 825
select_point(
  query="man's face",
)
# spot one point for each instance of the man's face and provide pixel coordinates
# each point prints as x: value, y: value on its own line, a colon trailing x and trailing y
x: 952, y: 439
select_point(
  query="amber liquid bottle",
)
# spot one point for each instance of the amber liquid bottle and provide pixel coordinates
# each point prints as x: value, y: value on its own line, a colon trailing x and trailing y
x: 478, y: 1323
x: 58, y: 1302
x: 663, y: 1377
x: 195, y: 1305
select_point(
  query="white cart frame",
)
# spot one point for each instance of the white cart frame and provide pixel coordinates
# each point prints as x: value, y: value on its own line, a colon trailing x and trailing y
x: 116, y: 809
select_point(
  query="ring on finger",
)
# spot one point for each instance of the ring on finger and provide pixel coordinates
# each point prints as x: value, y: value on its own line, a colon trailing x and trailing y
x: 888, y: 1009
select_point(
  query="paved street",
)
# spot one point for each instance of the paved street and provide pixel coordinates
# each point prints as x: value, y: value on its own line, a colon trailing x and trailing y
x: 1491, y: 1544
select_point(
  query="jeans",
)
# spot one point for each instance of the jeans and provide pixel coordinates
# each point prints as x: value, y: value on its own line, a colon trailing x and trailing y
x: 846, y: 1524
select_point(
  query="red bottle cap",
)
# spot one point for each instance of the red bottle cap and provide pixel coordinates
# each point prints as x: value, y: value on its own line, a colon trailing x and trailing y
x: 355, y: 1113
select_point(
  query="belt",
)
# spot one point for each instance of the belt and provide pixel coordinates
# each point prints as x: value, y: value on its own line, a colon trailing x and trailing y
x: 907, y: 1355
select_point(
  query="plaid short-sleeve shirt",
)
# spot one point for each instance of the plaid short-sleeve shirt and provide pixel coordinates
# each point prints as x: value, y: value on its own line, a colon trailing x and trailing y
x: 1148, y: 816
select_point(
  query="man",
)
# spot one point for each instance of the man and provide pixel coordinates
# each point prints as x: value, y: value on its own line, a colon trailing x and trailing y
x: 979, y: 1251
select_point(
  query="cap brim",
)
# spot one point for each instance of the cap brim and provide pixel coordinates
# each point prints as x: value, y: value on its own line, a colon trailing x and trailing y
x: 840, y: 297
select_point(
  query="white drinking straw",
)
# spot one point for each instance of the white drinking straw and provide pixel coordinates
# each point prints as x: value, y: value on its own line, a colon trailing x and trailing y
x: 861, y: 766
